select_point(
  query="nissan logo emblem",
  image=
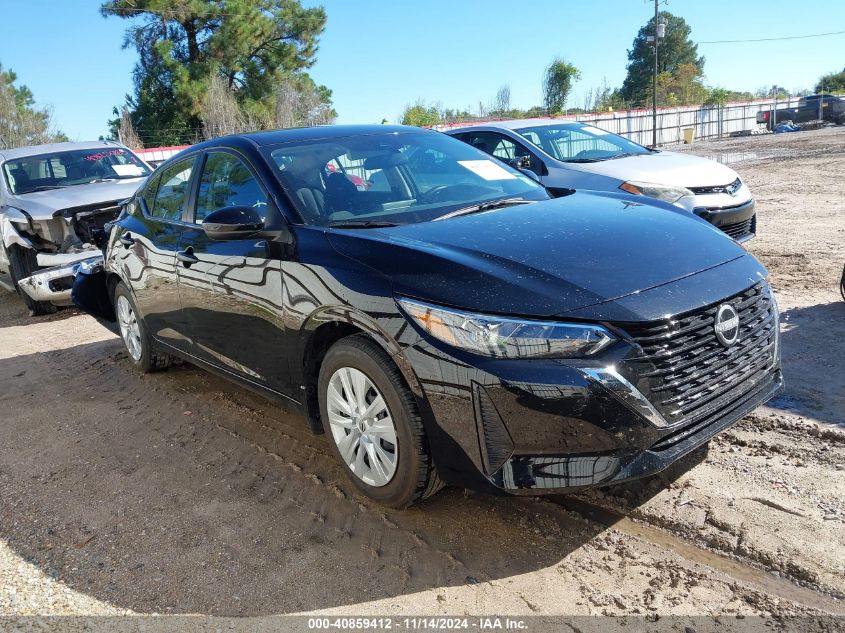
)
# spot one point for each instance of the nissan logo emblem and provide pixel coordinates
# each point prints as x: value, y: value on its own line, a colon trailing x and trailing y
x: 727, y: 325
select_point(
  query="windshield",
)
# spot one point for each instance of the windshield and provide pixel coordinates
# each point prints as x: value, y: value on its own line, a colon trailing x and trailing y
x: 575, y: 143
x: 393, y: 178
x: 75, y: 167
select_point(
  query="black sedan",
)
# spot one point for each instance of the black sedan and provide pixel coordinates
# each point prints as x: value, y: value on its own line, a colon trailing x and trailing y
x: 435, y: 313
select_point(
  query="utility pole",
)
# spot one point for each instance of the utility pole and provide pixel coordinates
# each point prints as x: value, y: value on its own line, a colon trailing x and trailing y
x: 775, y: 106
x: 654, y: 79
x: 821, y: 102
x: 659, y: 32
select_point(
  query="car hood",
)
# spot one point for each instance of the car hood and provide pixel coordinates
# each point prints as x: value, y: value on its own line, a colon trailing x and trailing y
x: 41, y: 205
x: 541, y: 259
x: 665, y: 168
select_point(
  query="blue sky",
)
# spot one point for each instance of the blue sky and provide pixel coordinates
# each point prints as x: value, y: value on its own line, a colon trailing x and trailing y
x: 378, y: 55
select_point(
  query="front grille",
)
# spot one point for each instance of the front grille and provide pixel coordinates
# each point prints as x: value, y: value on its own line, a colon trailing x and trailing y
x: 738, y: 230
x: 688, y: 375
x: 730, y: 188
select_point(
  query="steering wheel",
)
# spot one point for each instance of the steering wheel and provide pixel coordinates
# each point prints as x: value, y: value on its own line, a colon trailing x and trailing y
x: 436, y: 193
x: 440, y: 192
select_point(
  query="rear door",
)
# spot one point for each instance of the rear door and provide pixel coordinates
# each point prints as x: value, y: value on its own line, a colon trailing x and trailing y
x: 146, y: 251
x: 231, y: 290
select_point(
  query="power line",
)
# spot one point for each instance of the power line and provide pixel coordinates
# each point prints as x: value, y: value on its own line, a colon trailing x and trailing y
x: 211, y: 14
x: 774, y: 39
x: 173, y: 13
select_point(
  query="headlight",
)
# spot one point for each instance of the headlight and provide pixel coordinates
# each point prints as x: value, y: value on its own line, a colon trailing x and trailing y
x: 667, y: 193
x: 508, y: 338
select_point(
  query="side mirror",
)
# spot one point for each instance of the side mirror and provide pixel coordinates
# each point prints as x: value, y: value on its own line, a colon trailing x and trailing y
x: 232, y: 223
x: 530, y: 174
x: 523, y: 164
x: 520, y: 162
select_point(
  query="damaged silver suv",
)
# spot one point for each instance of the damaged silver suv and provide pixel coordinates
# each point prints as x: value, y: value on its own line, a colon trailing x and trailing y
x: 54, y: 202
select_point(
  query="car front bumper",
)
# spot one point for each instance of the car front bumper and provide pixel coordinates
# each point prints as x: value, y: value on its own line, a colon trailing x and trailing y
x: 734, y: 214
x: 541, y: 425
x: 532, y: 474
x: 738, y: 221
x: 530, y: 427
x: 54, y: 284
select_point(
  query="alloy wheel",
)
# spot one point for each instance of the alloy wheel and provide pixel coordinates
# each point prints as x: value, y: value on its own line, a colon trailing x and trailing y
x: 362, y: 426
x: 129, y: 328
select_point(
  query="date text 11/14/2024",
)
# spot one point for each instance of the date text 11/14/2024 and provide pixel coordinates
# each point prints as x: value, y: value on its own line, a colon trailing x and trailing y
x: 418, y: 623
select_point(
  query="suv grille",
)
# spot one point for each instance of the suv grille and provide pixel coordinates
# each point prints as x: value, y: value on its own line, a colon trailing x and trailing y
x: 690, y: 375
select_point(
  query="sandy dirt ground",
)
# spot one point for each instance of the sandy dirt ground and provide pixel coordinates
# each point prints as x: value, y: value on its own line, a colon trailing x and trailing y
x: 177, y: 493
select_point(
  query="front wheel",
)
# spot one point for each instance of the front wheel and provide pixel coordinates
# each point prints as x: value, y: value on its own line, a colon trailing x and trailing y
x: 134, y: 333
x: 842, y: 283
x: 374, y: 425
x: 23, y: 263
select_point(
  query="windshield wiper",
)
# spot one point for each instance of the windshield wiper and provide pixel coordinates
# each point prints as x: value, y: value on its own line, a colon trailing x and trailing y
x: 109, y: 179
x: 485, y: 206
x: 361, y: 224
x: 43, y: 188
x: 603, y: 158
x: 626, y: 154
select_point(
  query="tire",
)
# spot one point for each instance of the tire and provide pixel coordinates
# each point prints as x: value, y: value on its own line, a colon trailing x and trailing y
x: 842, y: 283
x: 414, y: 476
x: 133, y: 332
x: 23, y: 263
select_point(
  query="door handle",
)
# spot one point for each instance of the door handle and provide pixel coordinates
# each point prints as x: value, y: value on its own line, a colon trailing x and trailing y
x: 187, y: 257
x: 126, y: 239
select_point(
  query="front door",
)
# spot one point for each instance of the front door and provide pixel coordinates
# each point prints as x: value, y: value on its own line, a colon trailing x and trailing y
x: 504, y: 148
x: 231, y: 290
x: 147, y: 255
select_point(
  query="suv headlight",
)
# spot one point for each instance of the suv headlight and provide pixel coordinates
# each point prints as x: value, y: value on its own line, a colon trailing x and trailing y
x: 667, y: 193
x: 501, y: 337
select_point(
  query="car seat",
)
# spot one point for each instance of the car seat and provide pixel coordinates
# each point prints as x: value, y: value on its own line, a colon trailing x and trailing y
x: 72, y: 170
x: 308, y: 199
x: 313, y: 201
x: 340, y: 193
x: 20, y: 177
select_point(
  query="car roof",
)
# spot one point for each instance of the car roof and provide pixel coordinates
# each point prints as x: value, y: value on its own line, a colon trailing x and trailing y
x: 313, y: 133
x: 37, y: 150
x: 512, y: 124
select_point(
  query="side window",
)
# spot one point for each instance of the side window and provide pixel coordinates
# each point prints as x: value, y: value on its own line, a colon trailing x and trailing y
x: 377, y: 180
x: 172, y: 194
x: 504, y: 148
x: 481, y: 140
x: 149, y: 194
x: 226, y: 182
x: 496, y: 145
x: 58, y: 168
x: 569, y: 144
